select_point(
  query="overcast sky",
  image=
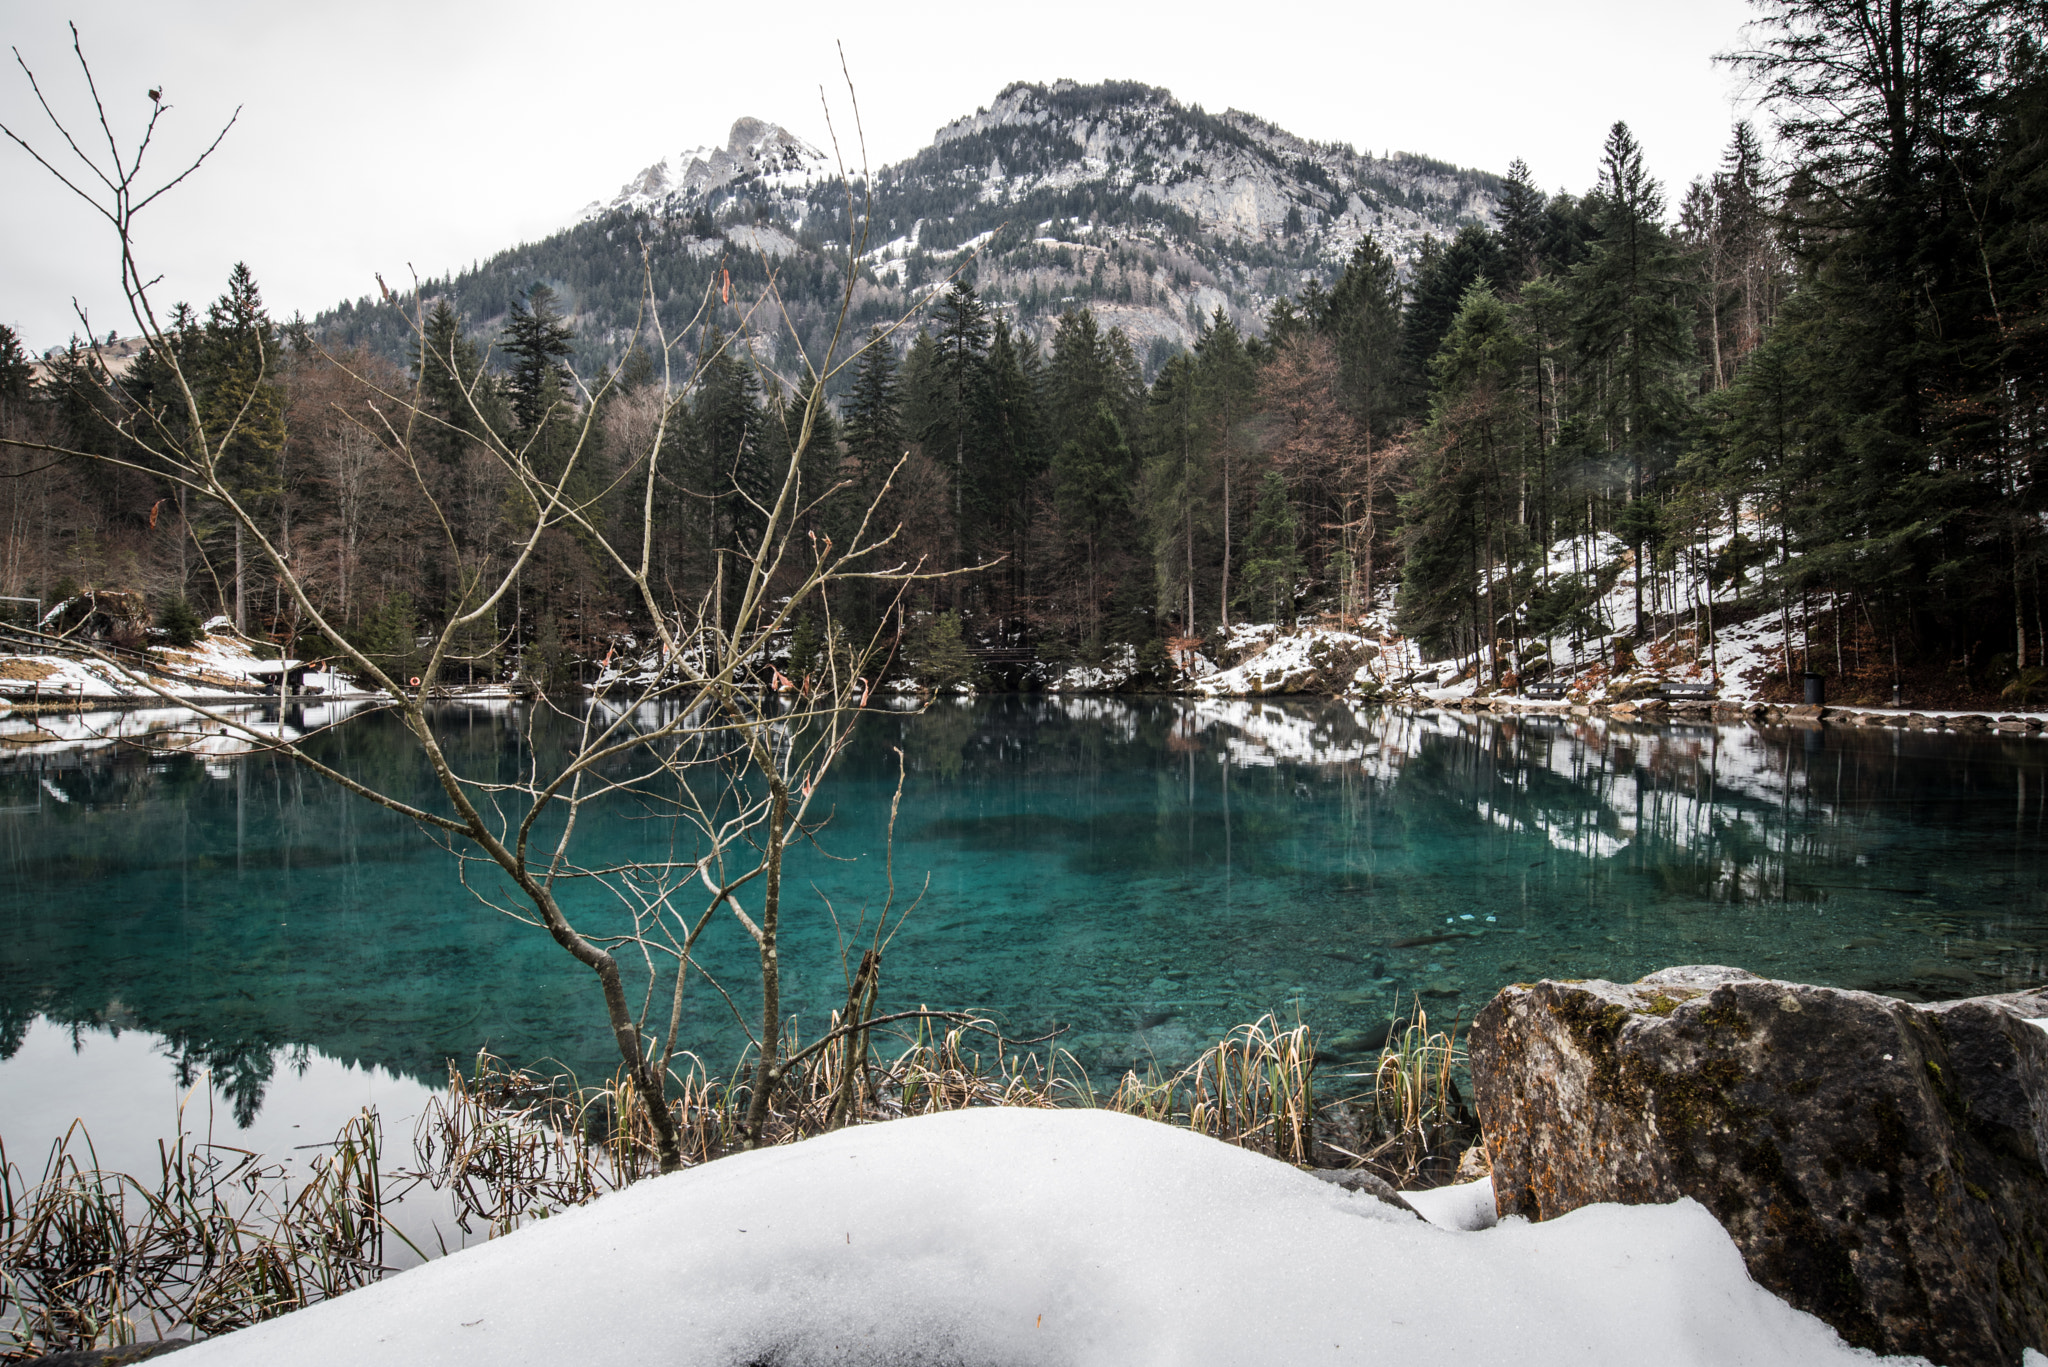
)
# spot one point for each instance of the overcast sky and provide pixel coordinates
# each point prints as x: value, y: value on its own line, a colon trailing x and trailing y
x: 377, y: 133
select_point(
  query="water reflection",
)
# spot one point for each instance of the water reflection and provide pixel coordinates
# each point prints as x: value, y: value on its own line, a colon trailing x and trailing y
x: 1139, y: 873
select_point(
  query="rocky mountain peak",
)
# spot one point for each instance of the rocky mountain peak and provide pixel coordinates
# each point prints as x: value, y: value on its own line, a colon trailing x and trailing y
x: 756, y: 153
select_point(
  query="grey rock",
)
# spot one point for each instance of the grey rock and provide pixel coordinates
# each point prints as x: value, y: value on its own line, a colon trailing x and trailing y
x: 1356, y: 1179
x: 1881, y: 1165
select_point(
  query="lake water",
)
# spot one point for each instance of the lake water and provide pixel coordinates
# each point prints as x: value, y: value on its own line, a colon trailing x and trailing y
x: 1140, y: 875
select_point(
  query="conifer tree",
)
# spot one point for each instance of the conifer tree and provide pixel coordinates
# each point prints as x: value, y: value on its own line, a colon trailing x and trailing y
x: 539, y: 341
x: 1272, y: 564
x: 1520, y: 226
x: 15, y: 371
x: 451, y: 383
x: 727, y: 423
x: 874, y: 421
x: 1227, y: 383
x: 1007, y: 454
x: 1091, y: 485
x: 1632, y: 331
x: 962, y: 345
x: 1176, y: 479
x: 242, y: 406
x: 1078, y: 375
x: 1363, y: 319
x: 1443, y: 272
x: 1461, y: 527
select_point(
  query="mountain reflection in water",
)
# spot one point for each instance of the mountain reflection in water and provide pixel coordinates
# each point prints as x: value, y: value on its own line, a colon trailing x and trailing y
x: 1141, y: 874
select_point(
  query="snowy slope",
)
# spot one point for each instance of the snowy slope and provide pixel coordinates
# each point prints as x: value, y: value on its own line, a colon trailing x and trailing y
x: 1153, y: 213
x: 1070, y: 1237
x: 758, y: 156
x: 1234, y: 174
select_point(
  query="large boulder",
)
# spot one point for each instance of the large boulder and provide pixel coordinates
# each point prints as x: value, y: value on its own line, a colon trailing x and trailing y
x: 1879, y: 1164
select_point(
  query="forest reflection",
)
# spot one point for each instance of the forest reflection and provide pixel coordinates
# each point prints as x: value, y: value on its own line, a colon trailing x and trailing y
x: 1140, y: 874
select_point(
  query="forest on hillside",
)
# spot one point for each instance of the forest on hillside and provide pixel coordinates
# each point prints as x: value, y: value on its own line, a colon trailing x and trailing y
x: 1819, y: 373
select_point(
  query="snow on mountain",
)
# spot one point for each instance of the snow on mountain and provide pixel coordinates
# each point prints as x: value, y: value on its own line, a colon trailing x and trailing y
x: 1114, y: 197
x: 1153, y: 213
x: 757, y: 155
x: 1234, y: 174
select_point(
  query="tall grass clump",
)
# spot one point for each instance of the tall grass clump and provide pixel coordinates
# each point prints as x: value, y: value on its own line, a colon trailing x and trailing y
x: 217, y: 1240
x: 214, y: 1241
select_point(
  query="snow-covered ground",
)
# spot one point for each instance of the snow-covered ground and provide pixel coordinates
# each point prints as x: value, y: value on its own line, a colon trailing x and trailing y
x: 1119, y: 664
x: 1070, y: 1236
x: 1695, y: 637
x: 221, y: 660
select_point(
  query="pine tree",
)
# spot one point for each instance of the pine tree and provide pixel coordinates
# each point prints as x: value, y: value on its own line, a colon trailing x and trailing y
x: 1363, y: 319
x: 456, y: 394
x: 16, y: 375
x: 1091, y: 476
x: 1520, y: 226
x: 727, y: 423
x: 1462, y: 530
x: 179, y: 622
x: 1227, y: 385
x: 242, y: 407
x: 1007, y: 454
x: 874, y: 421
x: 1632, y: 331
x: 940, y: 654
x: 1443, y: 272
x: 538, y: 341
x: 1176, y: 479
x: 1078, y: 376
x: 962, y: 345
x: 1272, y: 565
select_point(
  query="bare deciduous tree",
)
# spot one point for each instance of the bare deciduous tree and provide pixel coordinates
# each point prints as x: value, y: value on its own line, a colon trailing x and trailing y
x: 705, y: 731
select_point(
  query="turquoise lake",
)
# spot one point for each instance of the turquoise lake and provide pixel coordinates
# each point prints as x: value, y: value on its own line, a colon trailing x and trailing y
x: 1138, y: 875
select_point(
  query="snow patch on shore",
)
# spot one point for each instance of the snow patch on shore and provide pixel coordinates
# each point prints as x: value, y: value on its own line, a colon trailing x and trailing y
x: 1072, y: 1237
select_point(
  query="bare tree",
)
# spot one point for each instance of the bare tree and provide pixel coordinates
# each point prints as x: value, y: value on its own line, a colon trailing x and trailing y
x: 704, y: 730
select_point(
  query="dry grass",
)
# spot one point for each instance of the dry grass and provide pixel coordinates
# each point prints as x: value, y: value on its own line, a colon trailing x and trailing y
x: 217, y: 1240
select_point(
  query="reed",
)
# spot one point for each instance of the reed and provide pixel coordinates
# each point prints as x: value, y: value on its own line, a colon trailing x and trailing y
x: 1256, y: 1088
x: 1417, y: 1123
x: 219, y: 1240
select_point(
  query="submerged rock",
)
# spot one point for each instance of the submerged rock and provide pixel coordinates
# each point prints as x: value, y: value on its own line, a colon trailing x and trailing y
x: 1879, y: 1164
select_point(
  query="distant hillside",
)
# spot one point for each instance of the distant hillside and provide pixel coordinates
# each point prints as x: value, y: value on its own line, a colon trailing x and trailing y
x: 1113, y: 196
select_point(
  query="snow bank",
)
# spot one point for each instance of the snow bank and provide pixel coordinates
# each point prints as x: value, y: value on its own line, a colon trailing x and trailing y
x: 1287, y: 662
x: 221, y: 660
x: 1119, y: 665
x: 1072, y: 1237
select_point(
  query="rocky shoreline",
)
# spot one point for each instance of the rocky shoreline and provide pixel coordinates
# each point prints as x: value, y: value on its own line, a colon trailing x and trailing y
x: 1880, y: 1165
x: 1775, y: 714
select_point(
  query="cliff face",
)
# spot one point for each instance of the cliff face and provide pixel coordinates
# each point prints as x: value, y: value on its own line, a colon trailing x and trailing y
x: 1114, y: 197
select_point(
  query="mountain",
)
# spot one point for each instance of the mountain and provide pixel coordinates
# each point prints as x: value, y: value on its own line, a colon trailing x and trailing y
x: 764, y: 157
x: 1113, y: 196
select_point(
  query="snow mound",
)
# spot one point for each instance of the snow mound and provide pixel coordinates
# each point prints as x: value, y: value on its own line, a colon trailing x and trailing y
x: 1312, y: 659
x: 1072, y: 1237
x: 1119, y: 665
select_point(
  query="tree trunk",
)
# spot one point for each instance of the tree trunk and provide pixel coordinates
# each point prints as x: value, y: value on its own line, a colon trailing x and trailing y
x: 768, y: 1073
x: 1223, y: 609
x: 241, y: 618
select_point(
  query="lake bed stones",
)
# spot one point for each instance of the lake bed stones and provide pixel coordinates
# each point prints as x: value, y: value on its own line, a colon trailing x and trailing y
x: 1879, y: 1164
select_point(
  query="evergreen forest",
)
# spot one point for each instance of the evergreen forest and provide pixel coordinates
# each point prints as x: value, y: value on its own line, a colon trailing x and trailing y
x: 1818, y: 373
